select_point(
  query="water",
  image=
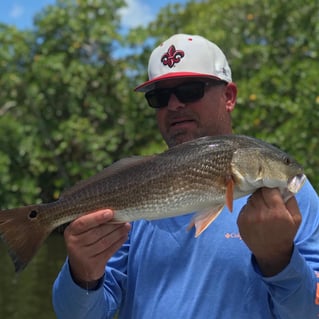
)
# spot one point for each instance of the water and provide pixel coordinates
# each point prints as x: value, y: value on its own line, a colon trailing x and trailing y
x: 28, y: 294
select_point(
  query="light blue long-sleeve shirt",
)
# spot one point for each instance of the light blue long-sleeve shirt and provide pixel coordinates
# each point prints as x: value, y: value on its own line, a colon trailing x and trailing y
x: 164, y: 272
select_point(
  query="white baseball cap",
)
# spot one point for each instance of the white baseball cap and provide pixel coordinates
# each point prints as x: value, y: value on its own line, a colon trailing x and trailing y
x: 185, y: 55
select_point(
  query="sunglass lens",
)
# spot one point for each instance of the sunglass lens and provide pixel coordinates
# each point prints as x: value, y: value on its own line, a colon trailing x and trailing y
x: 190, y: 92
x: 158, y: 98
x: 186, y: 92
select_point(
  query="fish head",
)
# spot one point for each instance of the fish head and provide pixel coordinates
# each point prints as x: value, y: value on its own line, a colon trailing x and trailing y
x: 266, y: 166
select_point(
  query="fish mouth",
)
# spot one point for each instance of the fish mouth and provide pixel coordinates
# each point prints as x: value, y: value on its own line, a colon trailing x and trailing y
x: 296, y: 182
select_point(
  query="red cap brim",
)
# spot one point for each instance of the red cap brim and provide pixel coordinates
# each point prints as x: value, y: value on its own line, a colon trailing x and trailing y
x: 149, y: 85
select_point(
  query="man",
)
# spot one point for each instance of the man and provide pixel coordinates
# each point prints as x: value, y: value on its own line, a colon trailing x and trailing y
x: 258, y: 262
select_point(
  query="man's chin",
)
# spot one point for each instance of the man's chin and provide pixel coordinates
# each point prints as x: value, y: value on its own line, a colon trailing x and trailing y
x: 180, y: 137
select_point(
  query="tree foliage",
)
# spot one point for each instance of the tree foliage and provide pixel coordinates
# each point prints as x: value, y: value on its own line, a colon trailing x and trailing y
x: 272, y: 47
x: 67, y: 106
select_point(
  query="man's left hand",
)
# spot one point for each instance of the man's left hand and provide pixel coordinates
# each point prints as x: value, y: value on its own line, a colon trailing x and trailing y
x: 268, y: 226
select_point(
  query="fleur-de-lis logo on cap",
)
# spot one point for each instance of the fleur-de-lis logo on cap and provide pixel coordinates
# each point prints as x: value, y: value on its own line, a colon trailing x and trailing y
x: 172, y: 56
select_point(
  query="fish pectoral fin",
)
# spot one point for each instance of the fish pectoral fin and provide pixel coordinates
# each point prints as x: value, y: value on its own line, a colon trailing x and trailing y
x: 204, y: 218
x: 230, y: 193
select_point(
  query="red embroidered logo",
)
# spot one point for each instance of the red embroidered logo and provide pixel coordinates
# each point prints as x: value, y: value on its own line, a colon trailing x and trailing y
x: 172, y: 56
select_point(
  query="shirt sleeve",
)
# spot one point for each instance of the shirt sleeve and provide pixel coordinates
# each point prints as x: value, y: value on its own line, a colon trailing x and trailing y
x: 294, y: 292
x: 72, y: 301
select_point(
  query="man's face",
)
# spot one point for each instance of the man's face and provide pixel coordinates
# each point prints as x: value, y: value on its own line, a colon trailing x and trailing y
x: 179, y: 122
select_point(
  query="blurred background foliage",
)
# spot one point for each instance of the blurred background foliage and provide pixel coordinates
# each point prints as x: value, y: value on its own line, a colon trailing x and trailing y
x: 67, y: 105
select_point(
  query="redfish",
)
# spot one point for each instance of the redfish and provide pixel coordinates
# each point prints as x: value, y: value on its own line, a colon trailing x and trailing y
x: 199, y: 176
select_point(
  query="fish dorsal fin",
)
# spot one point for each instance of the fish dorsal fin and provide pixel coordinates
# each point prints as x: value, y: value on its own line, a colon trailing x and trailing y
x: 113, y: 169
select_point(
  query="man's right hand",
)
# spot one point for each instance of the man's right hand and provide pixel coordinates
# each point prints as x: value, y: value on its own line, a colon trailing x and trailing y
x: 90, y: 242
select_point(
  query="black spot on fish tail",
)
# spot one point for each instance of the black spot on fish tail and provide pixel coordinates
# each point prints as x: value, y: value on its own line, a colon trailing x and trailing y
x: 23, y: 233
x: 33, y: 214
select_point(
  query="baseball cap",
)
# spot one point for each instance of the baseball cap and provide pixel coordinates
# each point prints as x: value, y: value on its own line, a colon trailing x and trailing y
x: 185, y: 55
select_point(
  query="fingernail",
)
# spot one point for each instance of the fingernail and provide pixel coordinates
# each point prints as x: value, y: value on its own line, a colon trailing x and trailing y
x: 107, y: 213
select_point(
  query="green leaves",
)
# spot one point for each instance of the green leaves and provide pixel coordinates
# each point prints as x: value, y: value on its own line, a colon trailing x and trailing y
x: 67, y: 106
x: 63, y: 101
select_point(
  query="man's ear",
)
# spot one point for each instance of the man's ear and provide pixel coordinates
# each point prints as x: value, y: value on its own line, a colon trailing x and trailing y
x: 231, y: 95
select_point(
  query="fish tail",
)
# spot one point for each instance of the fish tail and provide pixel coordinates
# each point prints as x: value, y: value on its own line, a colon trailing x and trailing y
x: 22, y: 232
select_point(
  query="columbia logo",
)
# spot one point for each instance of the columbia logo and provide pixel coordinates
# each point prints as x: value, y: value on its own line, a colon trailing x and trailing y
x: 233, y: 236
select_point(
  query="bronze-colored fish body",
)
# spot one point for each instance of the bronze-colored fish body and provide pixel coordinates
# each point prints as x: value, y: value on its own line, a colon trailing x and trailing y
x: 201, y: 175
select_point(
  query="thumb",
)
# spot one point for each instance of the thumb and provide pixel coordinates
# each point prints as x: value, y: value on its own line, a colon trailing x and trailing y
x: 293, y: 209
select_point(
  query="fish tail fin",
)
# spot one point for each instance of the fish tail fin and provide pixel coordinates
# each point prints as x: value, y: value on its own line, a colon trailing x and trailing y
x: 22, y: 233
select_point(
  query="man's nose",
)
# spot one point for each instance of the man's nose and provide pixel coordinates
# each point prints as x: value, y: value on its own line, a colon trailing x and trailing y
x: 174, y: 103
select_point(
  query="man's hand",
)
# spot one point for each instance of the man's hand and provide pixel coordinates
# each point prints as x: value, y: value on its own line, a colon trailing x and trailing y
x: 268, y: 227
x: 90, y: 242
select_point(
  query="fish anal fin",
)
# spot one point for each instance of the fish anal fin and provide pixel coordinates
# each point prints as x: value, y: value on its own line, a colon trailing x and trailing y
x: 204, y: 218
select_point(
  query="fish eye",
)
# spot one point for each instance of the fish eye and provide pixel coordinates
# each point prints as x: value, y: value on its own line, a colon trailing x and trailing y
x: 287, y: 160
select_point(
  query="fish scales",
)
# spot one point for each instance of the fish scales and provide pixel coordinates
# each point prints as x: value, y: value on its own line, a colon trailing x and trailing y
x: 201, y: 175
x: 172, y: 179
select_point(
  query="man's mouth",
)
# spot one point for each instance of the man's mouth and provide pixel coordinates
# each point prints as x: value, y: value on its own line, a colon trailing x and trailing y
x: 179, y: 122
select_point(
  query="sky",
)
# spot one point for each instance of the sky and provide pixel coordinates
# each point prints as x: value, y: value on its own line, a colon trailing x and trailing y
x: 21, y: 12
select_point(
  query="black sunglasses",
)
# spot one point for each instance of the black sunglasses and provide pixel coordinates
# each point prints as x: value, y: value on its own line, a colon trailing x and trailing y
x: 185, y: 92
